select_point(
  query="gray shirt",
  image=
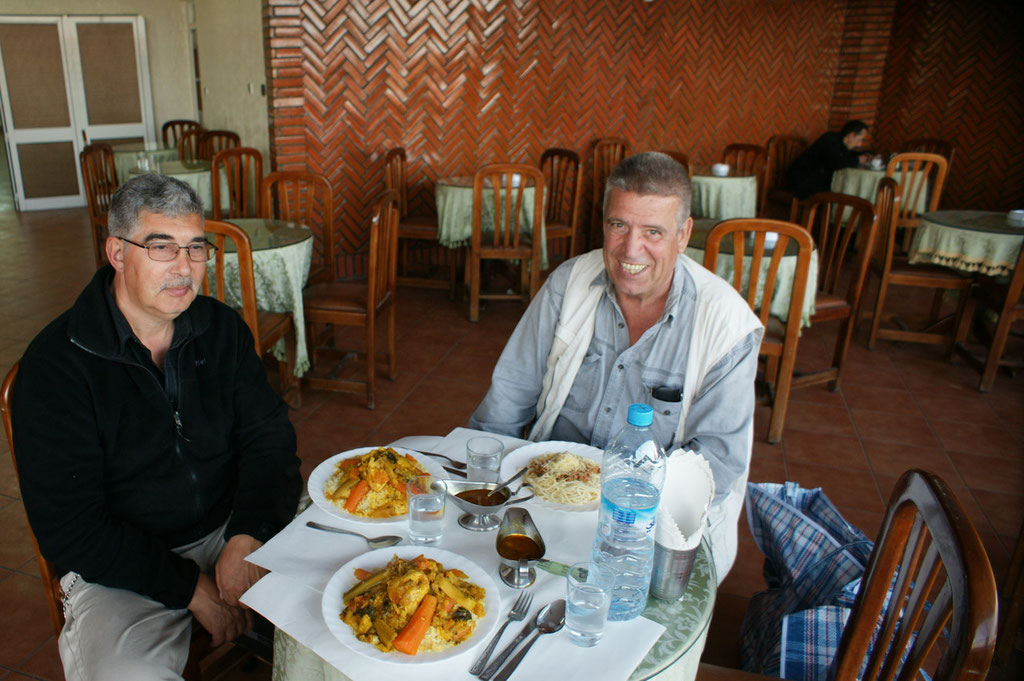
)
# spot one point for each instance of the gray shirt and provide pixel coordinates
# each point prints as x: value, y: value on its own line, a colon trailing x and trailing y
x: 615, y: 374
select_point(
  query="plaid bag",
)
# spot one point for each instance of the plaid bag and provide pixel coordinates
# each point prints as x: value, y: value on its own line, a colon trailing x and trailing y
x: 811, y: 555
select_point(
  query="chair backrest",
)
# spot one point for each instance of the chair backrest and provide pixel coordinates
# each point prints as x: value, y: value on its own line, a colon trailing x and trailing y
x: 887, y: 206
x: 221, y: 232
x: 836, y: 221
x: 931, y: 145
x: 919, y: 175
x: 509, y: 204
x: 188, y: 144
x: 382, y: 261
x: 927, y: 593
x: 682, y: 159
x: 748, y: 159
x: 749, y: 254
x: 608, y: 152
x: 304, y: 197
x: 563, y: 180
x: 242, y: 169
x: 394, y: 176
x: 171, y: 130
x: 47, y: 570
x: 213, y: 141
x: 99, y: 174
x: 782, y: 151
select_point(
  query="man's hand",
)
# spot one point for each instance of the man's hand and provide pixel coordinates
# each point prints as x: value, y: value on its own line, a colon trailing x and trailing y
x: 234, y: 574
x: 224, y: 622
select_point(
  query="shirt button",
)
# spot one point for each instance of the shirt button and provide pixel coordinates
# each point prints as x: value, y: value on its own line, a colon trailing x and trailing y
x: 666, y: 412
x: 621, y: 325
x: 620, y: 367
x: 607, y: 409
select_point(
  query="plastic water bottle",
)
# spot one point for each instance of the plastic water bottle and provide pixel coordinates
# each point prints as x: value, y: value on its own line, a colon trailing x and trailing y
x: 632, y: 475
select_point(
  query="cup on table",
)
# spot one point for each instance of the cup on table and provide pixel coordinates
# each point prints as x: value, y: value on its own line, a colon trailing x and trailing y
x: 426, y: 495
x: 588, y: 595
x: 483, y: 458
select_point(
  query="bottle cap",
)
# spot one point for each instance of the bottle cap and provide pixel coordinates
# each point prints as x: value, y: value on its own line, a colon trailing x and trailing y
x: 640, y: 415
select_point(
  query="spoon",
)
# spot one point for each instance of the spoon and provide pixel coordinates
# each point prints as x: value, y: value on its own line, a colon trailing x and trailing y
x: 374, y: 542
x: 550, y: 619
x: 507, y: 482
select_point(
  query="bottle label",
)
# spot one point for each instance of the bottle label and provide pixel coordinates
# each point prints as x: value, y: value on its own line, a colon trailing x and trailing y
x: 638, y: 518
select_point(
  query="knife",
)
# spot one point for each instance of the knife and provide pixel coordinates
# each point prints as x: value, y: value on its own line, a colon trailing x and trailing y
x: 503, y: 655
x: 455, y: 471
x: 554, y: 567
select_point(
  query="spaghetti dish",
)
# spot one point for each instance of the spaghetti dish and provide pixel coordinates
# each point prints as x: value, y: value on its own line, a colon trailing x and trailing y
x: 373, y: 485
x: 413, y: 606
x: 564, y: 478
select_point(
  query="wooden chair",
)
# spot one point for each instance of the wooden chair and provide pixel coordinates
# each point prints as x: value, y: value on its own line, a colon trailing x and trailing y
x: 415, y: 228
x: 837, y: 221
x: 608, y: 152
x: 242, y: 169
x: 564, y: 182
x: 782, y: 151
x: 1005, y: 299
x: 508, y: 240
x: 200, y: 645
x: 171, y: 131
x: 188, y: 144
x: 927, y: 599
x: 780, y: 340
x: 931, y: 145
x: 303, y: 197
x: 213, y: 141
x: 919, y: 176
x: 748, y: 159
x: 683, y: 160
x: 99, y: 174
x: 358, y: 304
x: 893, y: 270
x: 267, y: 327
x: 1012, y: 609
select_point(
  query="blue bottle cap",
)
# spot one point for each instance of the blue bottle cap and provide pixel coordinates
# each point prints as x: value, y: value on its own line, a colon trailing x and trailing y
x: 640, y: 415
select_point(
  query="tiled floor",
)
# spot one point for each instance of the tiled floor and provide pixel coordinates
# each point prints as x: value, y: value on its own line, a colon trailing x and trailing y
x: 900, y: 407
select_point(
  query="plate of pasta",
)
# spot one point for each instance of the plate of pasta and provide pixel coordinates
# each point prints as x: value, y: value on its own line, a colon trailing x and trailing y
x: 411, y: 605
x: 564, y: 476
x: 368, y: 484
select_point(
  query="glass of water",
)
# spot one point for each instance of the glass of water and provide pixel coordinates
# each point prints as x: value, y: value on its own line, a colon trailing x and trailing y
x: 588, y: 595
x: 483, y: 459
x: 426, y: 509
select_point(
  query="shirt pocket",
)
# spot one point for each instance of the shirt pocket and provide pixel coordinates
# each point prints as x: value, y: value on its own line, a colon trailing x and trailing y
x: 666, y: 412
x: 586, y: 387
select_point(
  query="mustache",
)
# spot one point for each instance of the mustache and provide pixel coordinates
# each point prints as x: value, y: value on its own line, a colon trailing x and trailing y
x: 178, y: 282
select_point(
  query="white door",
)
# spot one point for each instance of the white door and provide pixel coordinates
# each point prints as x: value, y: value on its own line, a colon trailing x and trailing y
x: 66, y: 82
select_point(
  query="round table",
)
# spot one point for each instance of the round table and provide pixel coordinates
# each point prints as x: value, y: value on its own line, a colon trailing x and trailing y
x: 724, y: 197
x: 281, y: 255
x: 967, y: 240
x: 863, y: 182
x: 126, y: 156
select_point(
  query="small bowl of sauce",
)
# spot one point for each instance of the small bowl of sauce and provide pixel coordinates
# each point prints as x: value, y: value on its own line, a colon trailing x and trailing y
x: 480, y: 506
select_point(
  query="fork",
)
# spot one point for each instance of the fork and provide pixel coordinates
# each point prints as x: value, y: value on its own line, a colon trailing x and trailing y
x: 452, y: 462
x: 517, y: 613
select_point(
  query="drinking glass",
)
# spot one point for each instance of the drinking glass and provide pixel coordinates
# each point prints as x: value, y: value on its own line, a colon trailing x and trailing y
x: 426, y: 496
x: 588, y: 595
x: 483, y: 459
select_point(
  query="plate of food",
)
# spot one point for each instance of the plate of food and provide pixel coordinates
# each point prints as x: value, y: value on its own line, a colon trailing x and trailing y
x: 411, y: 605
x: 368, y: 484
x: 565, y: 476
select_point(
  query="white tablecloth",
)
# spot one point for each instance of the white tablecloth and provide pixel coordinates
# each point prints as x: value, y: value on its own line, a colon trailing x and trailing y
x: 724, y: 197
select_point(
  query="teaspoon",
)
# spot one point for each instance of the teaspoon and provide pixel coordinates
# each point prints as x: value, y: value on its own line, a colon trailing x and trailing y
x: 374, y: 542
x: 549, y: 620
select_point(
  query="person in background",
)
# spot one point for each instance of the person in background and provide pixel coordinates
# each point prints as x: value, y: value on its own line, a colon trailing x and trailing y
x: 811, y: 171
x: 153, y: 454
x: 638, y: 321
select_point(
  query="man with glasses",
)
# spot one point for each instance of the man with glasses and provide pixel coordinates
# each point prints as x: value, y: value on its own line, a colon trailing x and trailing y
x: 153, y: 454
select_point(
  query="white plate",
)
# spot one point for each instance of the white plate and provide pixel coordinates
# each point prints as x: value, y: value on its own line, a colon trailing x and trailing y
x: 519, y: 458
x: 318, y: 478
x: 344, y: 579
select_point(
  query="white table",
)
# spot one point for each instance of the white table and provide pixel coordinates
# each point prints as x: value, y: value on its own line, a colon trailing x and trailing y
x: 302, y: 561
x: 972, y: 241
x: 126, y: 156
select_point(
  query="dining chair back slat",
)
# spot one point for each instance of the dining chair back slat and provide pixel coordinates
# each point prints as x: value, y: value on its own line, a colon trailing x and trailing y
x: 682, y: 159
x: 171, y: 131
x: 212, y: 142
x: 608, y: 152
x: 306, y: 198
x: 188, y: 144
x: 99, y: 174
x: 748, y: 159
x: 242, y: 169
x: 921, y: 177
x: 563, y: 181
x: 782, y: 151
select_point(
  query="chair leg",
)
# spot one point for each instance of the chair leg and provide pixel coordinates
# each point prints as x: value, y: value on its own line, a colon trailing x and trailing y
x: 473, y: 267
x: 781, y: 401
x: 534, y: 278
x: 371, y: 356
x: 392, y: 357
x: 842, y: 346
x: 876, y: 319
x: 988, y: 376
x: 291, y: 386
x: 936, y: 305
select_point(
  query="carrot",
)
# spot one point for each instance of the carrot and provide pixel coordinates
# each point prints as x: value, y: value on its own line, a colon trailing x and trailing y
x: 409, y: 638
x: 350, y: 462
x: 362, y: 574
x: 380, y: 477
x: 357, y: 494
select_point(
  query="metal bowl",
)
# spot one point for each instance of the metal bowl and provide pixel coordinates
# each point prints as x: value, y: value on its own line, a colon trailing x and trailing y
x: 480, y: 518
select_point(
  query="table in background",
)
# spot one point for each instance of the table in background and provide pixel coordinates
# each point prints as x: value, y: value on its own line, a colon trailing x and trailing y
x: 675, y: 655
x: 196, y: 174
x: 454, y: 197
x: 724, y: 197
x: 126, y: 156
x: 971, y: 241
x: 784, y: 281
x: 281, y: 255
x: 863, y: 182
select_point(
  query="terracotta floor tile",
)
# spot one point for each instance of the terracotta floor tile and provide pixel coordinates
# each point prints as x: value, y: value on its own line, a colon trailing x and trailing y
x: 867, y: 522
x: 894, y: 458
x: 879, y: 376
x: 767, y: 464
x: 946, y: 408
x: 723, y: 643
x: 965, y: 495
x: 1004, y: 511
x: 818, y: 394
x: 841, y: 451
x: 745, y: 578
x: 16, y: 539
x: 25, y: 625
x: 818, y: 418
x: 874, y: 398
x: 45, y: 662
x: 978, y: 438
x: 843, y: 486
x: 990, y: 473
x: 890, y: 427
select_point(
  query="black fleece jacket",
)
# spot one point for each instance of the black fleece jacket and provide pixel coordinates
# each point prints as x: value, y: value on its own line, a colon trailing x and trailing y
x: 121, y: 462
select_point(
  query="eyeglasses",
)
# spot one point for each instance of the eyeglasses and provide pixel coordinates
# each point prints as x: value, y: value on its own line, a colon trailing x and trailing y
x: 166, y: 251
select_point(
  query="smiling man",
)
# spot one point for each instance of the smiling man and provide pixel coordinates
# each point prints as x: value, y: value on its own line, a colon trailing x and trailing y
x: 153, y: 454
x: 638, y: 321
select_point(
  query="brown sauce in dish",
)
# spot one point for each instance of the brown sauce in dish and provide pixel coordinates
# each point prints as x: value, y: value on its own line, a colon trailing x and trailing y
x: 519, y: 547
x: 483, y: 497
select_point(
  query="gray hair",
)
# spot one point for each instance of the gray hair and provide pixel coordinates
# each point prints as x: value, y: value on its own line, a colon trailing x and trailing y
x: 153, y: 193
x: 652, y: 173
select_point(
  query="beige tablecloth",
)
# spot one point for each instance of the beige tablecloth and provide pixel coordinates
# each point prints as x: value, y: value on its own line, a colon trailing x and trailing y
x: 454, y: 196
x: 967, y: 240
x: 863, y: 182
x: 126, y: 156
x: 724, y: 197
x: 196, y: 174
